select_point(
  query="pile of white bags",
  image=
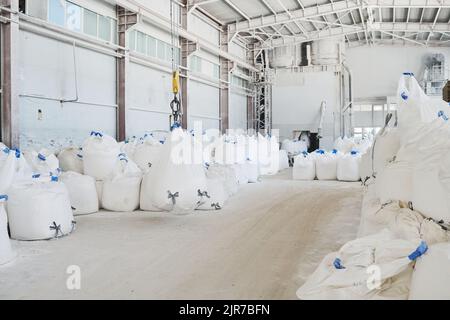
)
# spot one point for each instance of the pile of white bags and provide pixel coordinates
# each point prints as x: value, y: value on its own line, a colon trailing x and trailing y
x: 228, y: 176
x: 39, y: 210
x: 43, y: 162
x: 146, y: 154
x: 216, y: 196
x: 365, y: 168
x: 304, y: 167
x: 6, y: 251
x: 384, y: 149
x: 344, y: 145
x: 348, y: 167
x: 100, y: 155
x: 252, y: 171
x: 294, y: 147
x: 326, y: 165
x: 121, y: 190
x: 172, y: 184
x: 82, y: 192
x: 71, y: 159
x: 374, y: 267
x: 431, y: 277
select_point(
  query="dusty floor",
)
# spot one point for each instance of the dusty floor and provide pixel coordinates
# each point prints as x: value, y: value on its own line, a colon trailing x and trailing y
x: 262, y: 245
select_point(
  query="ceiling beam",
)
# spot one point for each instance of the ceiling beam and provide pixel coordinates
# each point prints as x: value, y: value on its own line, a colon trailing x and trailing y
x: 345, y: 30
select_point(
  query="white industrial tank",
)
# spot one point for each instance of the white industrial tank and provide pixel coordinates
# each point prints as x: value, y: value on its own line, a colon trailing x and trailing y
x: 326, y: 52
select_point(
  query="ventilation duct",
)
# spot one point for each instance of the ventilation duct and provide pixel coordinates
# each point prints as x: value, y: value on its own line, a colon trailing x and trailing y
x: 326, y: 52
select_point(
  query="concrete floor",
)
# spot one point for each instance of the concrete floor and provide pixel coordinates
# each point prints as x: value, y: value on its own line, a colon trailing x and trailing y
x: 263, y: 245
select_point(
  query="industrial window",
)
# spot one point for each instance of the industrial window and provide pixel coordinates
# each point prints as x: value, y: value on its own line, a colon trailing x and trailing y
x: 161, y: 50
x: 141, y: 43
x: 216, y: 71
x: 37, y: 8
x: 151, y: 46
x: 114, y: 30
x: 56, y: 12
x: 90, y: 23
x: 104, y: 28
x: 73, y: 17
x: 132, y: 40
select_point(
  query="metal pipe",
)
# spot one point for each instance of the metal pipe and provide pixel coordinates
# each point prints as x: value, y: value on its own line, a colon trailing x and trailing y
x: 350, y: 96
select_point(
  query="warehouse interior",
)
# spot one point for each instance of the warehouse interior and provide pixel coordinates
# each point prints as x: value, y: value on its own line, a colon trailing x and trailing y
x: 225, y: 149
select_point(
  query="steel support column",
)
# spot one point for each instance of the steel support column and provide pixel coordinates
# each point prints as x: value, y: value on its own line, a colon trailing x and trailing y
x: 9, y: 75
x: 126, y: 19
x: 226, y: 68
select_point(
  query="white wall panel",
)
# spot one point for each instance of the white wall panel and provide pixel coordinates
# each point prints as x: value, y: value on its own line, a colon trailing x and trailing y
x: 148, y: 100
x: 203, y: 105
x: 377, y: 70
x: 297, y: 98
x: 238, y: 111
x: 47, y: 71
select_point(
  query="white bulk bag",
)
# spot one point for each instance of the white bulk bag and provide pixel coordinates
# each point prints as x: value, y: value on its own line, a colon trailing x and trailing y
x: 344, y: 145
x: 252, y: 171
x: 384, y: 149
x: 326, y: 165
x: 6, y: 251
x: 15, y: 169
x: 283, y: 160
x: 147, y: 153
x: 99, y: 188
x: 82, y: 192
x: 177, y: 181
x: 228, y: 176
x: 304, y: 167
x: 241, y: 173
x: 346, y: 275
x: 430, y: 196
x: 414, y: 107
x: 348, y: 167
x: 99, y: 155
x: 71, y: 159
x: 268, y: 155
x: 431, y: 277
x: 43, y: 162
x: 395, y: 182
x: 4, y: 152
x: 294, y: 146
x: 39, y: 211
x: 121, y: 191
x: 129, y: 147
x: 365, y: 167
x: 216, y: 196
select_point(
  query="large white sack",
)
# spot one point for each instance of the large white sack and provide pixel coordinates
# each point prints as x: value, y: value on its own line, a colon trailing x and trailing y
x: 430, y: 196
x: 365, y: 167
x: 15, y: 169
x: 6, y: 251
x: 176, y: 180
x: 344, y: 145
x: 304, y: 167
x: 252, y: 171
x: 146, y: 154
x: 100, y: 155
x: 294, y: 147
x: 348, y: 167
x: 129, y: 146
x: 326, y: 165
x: 268, y: 155
x: 284, y: 160
x: 216, y: 196
x: 241, y: 173
x: 395, y: 182
x: 431, y: 277
x: 4, y: 152
x: 71, y: 159
x: 99, y: 187
x: 227, y: 174
x: 39, y: 211
x: 82, y: 192
x: 384, y: 149
x: 349, y: 273
x: 414, y: 107
x: 121, y: 190
x: 43, y: 162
